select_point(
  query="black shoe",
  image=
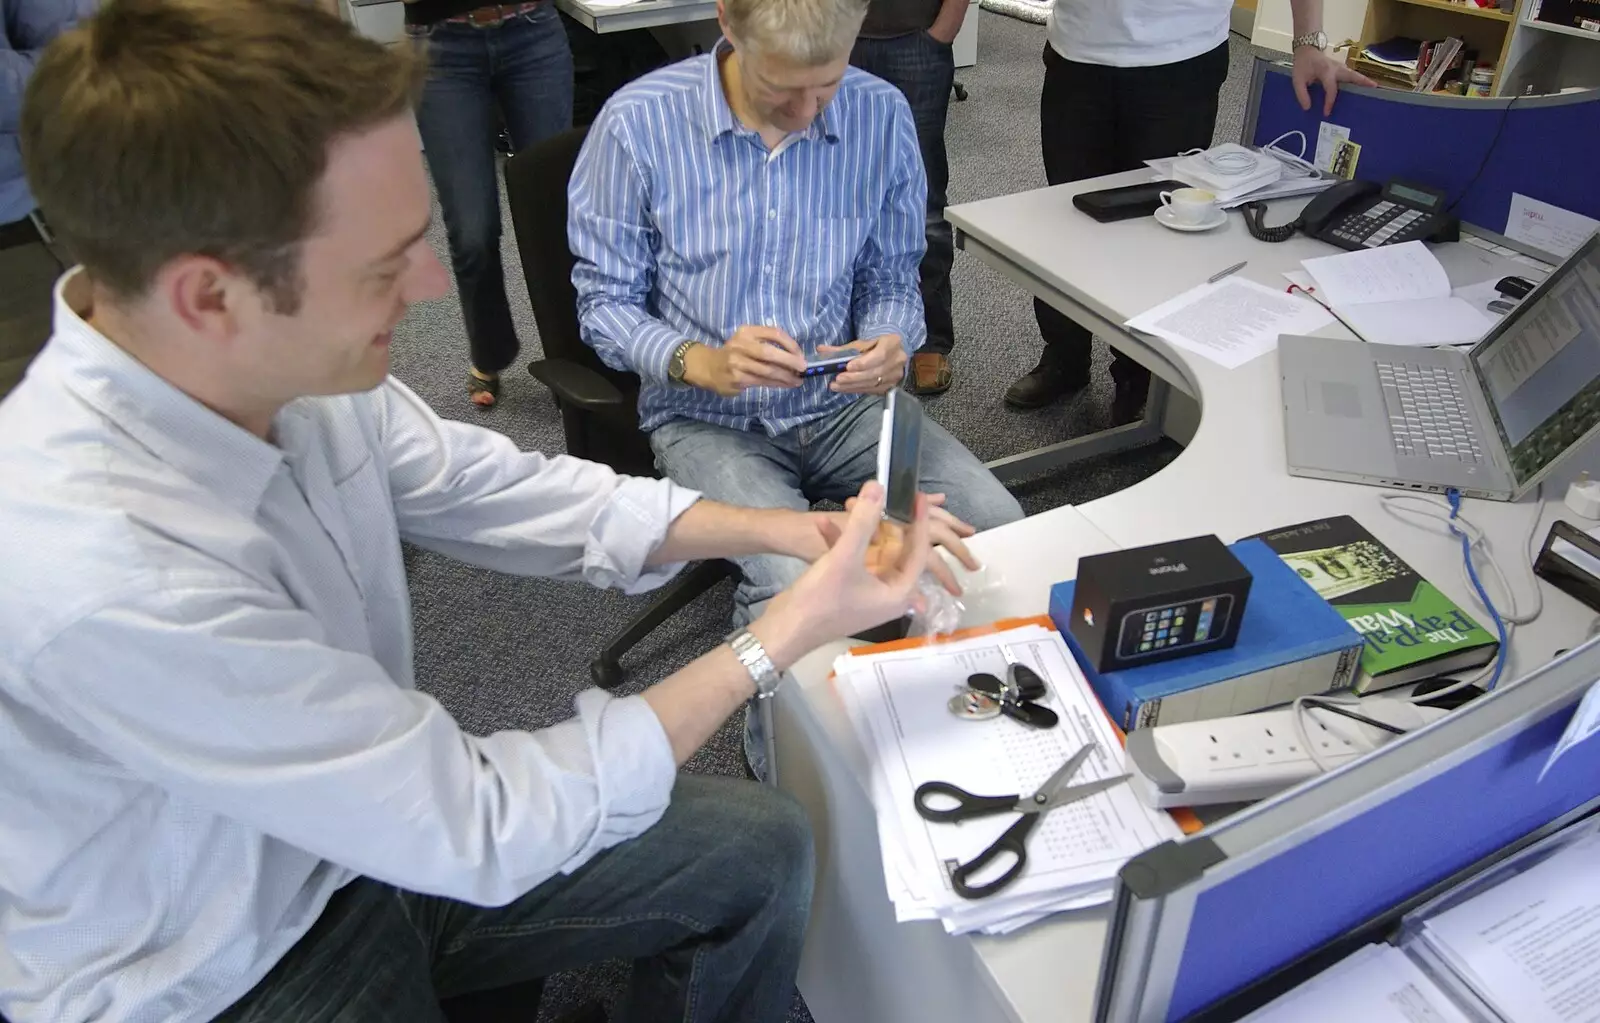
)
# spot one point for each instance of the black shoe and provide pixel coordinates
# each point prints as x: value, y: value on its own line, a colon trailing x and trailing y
x: 1127, y: 405
x: 1048, y: 382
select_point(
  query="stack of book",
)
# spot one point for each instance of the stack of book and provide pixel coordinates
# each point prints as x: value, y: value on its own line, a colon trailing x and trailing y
x: 1411, y: 631
x: 1416, y: 65
x: 1392, y: 62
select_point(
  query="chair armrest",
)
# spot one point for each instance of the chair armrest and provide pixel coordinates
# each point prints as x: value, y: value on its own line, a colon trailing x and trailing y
x: 577, y: 385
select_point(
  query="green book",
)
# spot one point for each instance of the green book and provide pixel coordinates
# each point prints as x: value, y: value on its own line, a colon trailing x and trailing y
x: 1410, y: 630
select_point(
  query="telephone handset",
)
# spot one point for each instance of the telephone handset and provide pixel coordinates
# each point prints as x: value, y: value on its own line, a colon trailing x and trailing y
x: 1363, y: 215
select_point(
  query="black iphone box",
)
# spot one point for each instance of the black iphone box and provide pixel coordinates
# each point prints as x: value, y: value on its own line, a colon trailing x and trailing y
x: 1149, y: 604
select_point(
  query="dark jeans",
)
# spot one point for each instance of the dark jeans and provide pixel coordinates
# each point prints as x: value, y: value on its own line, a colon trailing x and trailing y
x: 925, y: 70
x: 29, y: 269
x: 1096, y: 120
x: 524, y: 66
x: 710, y: 905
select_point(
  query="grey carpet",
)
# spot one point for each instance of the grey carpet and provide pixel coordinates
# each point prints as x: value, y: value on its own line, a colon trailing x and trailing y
x: 503, y: 652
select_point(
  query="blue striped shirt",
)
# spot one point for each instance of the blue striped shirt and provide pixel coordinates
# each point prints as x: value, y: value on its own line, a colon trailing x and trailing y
x: 686, y: 227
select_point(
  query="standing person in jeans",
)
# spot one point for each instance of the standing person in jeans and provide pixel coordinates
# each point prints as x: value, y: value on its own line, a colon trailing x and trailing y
x: 28, y: 266
x: 514, y: 56
x: 1127, y: 81
x: 908, y: 43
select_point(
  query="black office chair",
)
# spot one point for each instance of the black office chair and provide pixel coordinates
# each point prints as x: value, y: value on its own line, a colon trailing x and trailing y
x: 599, y: 405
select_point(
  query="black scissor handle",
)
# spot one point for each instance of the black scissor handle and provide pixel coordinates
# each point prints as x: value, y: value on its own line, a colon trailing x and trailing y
x: 1013, y: 841
x: 967, y: 805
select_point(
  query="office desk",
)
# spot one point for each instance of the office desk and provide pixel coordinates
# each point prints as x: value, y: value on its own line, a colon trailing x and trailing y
x: 859, y: 964
x: 600, y: 18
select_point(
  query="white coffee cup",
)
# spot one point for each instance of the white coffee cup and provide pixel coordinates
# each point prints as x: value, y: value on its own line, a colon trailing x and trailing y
x: 1190, y: 205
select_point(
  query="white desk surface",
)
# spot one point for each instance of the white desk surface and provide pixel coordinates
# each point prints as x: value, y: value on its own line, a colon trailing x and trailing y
x: 602, y: 18
x: 1230, y: 480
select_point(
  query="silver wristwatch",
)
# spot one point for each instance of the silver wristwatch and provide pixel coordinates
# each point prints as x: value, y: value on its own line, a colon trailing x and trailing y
x: 1319, y: 39
x: 754, y: 657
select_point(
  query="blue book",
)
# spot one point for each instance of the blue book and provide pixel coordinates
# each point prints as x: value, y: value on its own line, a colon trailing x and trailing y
x: 1291, y: 643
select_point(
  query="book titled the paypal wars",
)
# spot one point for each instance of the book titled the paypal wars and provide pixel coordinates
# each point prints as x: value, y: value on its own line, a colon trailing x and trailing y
x: 1411, y: 631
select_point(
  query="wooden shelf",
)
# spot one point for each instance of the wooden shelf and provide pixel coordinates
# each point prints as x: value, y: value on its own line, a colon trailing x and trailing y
x: 1564, y: 30
x: 1470, y: 10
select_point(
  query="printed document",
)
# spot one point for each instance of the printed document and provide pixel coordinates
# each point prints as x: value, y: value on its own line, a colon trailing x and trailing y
x: 1232, y: 321
x: 1378, y: 984
x: 1547, y: 228
x: 1530, y: 945
x: 898, y: 702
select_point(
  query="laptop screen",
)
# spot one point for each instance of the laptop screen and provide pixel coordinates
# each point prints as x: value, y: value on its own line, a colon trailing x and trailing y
x: 1541, y: 368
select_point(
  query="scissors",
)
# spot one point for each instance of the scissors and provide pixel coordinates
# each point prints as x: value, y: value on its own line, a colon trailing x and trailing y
x: 1052, y: 794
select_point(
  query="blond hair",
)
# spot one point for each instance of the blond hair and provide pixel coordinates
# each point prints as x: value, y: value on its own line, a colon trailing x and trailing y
x: 808, y: 32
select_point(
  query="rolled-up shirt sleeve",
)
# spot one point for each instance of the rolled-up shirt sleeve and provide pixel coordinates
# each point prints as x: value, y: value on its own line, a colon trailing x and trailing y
x: 228, y: 696
x: 469, y: 493
x: 609, y: 230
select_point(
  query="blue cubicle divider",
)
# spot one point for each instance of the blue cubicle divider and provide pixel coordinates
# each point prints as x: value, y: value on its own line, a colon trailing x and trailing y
x: 1252, y: 924
x: 1546, y: 147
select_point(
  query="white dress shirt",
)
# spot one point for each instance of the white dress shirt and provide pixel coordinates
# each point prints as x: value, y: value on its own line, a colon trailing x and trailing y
x: 208, y: 720
x: 1137, y: 33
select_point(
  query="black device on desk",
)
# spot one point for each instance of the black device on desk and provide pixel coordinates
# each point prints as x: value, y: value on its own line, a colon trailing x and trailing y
x: 1149, y: 604
x: 1363, y: 215
x: 1125, y: 201
x: 1569, y: 569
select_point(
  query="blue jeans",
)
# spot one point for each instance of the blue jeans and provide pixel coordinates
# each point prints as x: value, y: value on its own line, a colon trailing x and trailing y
x: 924, y: 69
x: 710, y: 905
x: 524, y: 67
x: 828, y: 459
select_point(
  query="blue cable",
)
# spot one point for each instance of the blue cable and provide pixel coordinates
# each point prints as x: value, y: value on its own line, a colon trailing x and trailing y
x: 1454, y: 497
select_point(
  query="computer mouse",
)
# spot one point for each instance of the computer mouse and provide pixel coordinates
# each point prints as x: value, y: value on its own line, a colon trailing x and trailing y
x: 1514, y: 287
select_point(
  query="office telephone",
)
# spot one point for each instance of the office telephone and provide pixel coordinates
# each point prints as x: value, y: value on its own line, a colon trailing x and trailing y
x: 1363, y: 215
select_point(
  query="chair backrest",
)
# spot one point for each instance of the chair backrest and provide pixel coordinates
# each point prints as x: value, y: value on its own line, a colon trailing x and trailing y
x: 536, y: 190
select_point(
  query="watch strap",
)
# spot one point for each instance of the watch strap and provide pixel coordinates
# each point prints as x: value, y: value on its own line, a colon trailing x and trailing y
x: 1318, y: 39
x: 754, y: 657
x: 677, y: 366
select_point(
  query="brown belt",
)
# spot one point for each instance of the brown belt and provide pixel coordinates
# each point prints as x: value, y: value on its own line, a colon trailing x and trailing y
x: 491, y: 15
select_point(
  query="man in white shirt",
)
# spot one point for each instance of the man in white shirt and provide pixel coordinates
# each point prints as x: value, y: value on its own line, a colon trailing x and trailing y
x: 224, y: 797
x: 1127, y: 81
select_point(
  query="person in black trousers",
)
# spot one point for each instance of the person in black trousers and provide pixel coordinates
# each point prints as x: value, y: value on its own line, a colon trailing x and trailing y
x: 1127, y: 81
x: 907, y: 43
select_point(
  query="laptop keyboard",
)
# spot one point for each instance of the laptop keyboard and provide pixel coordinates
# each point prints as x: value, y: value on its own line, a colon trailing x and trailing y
x: 1428, y: 415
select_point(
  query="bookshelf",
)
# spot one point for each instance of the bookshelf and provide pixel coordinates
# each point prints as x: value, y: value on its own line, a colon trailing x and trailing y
x: 1545, y: 26
x: 1487, y: 31
x: 1549, y: 53
x: 1467, y: 10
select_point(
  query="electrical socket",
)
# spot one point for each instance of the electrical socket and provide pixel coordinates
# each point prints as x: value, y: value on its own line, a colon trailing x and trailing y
x: 1252, y: 756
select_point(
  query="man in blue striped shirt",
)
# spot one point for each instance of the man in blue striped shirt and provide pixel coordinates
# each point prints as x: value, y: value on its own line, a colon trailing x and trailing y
x: 736, y: 215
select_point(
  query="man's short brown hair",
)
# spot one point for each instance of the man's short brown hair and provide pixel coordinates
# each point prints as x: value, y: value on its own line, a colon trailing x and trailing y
x: 163, y: 128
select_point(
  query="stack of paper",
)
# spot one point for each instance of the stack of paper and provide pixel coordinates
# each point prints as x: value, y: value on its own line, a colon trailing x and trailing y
x: 1527, y: 946
x: 1377, y: 984
x: 1398, y: 295
x: 898, y: 702
x: 1293, y: 182
x: 1231, y: 321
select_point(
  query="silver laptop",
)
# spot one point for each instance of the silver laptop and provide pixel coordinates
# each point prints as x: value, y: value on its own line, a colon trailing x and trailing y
x: 1489, y: 422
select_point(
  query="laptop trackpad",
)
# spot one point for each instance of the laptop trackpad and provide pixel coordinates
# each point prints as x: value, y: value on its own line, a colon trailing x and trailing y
x: 1340, y: 399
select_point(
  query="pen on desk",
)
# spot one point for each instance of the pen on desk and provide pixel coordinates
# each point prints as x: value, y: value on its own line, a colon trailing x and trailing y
x: 1220, y: 274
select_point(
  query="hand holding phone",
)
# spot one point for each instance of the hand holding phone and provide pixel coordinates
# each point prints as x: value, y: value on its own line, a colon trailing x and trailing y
x: 828, y: 365
x: 900, y: 456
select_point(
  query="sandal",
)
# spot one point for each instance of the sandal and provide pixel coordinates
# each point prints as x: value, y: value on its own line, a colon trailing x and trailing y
x: 477, y: 385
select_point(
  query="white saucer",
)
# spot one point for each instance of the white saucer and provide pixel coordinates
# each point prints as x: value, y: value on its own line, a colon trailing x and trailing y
x: 1165, y: 218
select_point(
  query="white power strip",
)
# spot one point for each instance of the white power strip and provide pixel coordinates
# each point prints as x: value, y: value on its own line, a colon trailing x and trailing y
x: 1253, y: 756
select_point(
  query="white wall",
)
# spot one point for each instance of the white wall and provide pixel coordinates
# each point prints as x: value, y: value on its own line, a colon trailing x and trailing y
x: 1341, y: 19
